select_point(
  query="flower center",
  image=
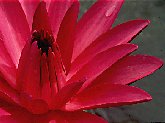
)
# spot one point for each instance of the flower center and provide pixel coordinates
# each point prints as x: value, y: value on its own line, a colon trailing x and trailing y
x: 44, y: 40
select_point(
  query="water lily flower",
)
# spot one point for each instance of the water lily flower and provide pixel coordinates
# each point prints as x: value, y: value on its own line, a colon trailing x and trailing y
x: 53, y: 67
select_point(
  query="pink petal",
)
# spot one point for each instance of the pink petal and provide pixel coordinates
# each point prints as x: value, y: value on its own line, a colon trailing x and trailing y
x: 41, y: 19
x: 120, y: 34
x: 101, y: 62
x: 57, y: 11
x: 96, y: 21
x: 29, y: 7
x: 64, y: 95
x: 66, y: 33
x: 14, y: 28
x: 5, y: 58
x: 69, y: 117
x: 106, y: 95
x: 130, y: 69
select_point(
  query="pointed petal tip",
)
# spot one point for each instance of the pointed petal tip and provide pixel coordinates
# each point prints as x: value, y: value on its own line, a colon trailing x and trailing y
x: 116, y: 95
x: 145, y: 96
x: 148, y: 21
x: 159, y: 62
x: 134, y: 46
x: 42, y: 3
x: 143, y: 21
x: 149, y: 98
x: 40, y: 18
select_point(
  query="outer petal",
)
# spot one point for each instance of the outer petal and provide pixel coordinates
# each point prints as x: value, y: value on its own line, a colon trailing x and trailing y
x: 9, y: 74
x: 7, y: 93
x: 64, y: 95
x: 57, y: 10
x: 14, y: 114
x: 5, y: 58
x: 66, y: 33
x: 29, y: 7
x: 96, y: 21
x: 69, y: 117
x: 14, y: 27
x: 120, y: 34
x: 101, y: 62
x: 130, y: 69
x: 7, y: 68
x: 106, y: 95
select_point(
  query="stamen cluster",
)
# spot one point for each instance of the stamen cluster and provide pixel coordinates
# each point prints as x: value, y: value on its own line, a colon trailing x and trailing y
x: 44, y: 40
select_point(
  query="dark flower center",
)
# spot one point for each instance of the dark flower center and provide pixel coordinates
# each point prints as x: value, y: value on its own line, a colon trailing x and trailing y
x: 44, y: 40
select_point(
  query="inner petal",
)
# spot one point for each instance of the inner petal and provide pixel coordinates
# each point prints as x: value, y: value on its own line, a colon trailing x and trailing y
x: 49, y: 68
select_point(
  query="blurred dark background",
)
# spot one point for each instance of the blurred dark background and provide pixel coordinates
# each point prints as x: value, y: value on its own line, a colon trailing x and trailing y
x: 152, y: 42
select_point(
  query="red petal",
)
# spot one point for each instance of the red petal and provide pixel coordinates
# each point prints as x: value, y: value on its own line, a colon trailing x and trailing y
x: 36, y: 106
x: 120, y: 34
x: 64, y: 95
x: 46, y: 86
x: 52, y: 73
x: 14, y: 114
x: 23, y: 61
x: 41, y: 19
x: 14, y: 27
x: 57, y: 10
x: 69, y: 117
x: 9, y: 74
x: 130, y: 69
x: 66, y: 33
x: 106, y: 95
x: 7, y: 93
x: 101, y: 62
x: 29, y: 7
x: 82, y: 117
x: 96, y: 21
x: 30, y: 82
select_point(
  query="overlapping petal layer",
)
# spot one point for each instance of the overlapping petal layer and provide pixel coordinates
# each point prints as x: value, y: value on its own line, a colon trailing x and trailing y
x: 67, y: 65
x: 57, y: 11
x: 90, y: 71
x: 130, y: 69
x: 120, y: 34
x: 11, y: 114
x: 100, y: 17
x: 106, y: 95
x: 66, y: 40
x: 14, y: 28
x: 29, y: 7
